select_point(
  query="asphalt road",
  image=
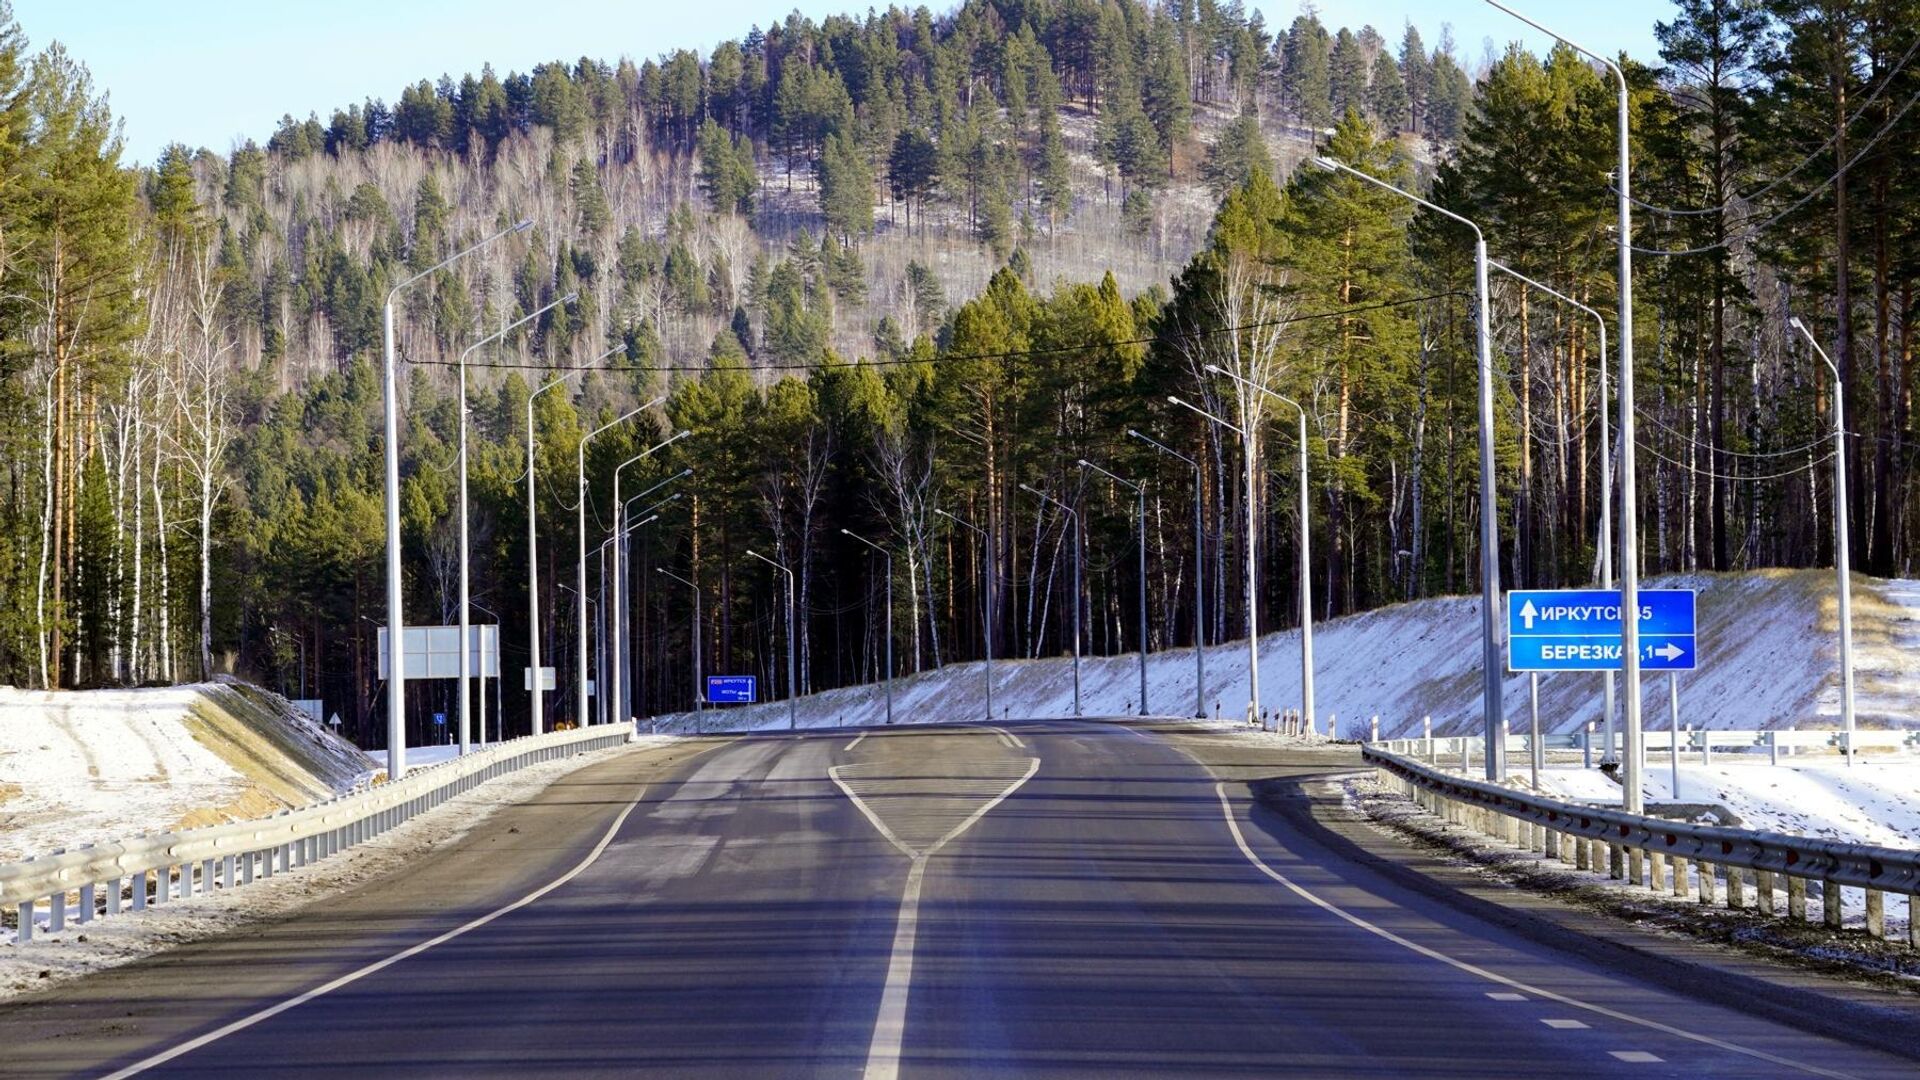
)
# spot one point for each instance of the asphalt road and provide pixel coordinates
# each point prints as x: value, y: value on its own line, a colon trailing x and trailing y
x: 1049, y: 899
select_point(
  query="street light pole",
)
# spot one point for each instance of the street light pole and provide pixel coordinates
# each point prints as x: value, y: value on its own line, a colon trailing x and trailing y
x: 1606, y: 481
x: 535, y: 687
x: 1199, y: 589
x: 499, y: 717
x: 887, y: 555
x: 618, y: 675
x: 1492, y: 706
x: 1842, y: 558
x: 580, y: 506
x: 699, y: 685
x: 793, y: 682
x: 1079, y: 581
x: 986, y: 599
x: 466, y: 622
x: 626, y: 579
x: 396, y: 614
x: 1253, y: 625
x: 1635, y: 764
x: 1306, y: 553
x: 1140, y: 493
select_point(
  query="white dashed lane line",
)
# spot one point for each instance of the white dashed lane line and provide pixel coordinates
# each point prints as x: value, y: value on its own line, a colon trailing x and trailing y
x: 1637, y: 1057
x: 1559, y: 1024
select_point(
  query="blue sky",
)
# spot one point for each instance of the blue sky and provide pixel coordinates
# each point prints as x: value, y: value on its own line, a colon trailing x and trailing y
x: 209, y: 72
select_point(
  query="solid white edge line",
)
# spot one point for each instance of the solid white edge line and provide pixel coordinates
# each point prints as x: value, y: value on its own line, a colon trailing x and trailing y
x: 1233, y: 824
x: 857, y: 739
x: 356, y: 975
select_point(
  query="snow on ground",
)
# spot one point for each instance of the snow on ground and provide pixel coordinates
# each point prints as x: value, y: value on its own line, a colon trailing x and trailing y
x: 110, y: 942
x: 80, y: 767
x: 1876, y: 801
x: 1768, y: 660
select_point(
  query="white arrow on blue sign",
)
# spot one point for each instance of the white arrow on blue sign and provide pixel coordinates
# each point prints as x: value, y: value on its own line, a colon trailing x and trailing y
x: 1580, y: 630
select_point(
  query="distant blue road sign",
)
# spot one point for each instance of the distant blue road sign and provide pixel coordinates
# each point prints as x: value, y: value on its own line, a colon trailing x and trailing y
x: 440, y: 719
x: 1580, y: 630
x: 732, y: 689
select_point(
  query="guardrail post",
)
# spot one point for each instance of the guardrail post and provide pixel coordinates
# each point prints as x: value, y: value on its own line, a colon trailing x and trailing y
x: 1913, y: 921
x: 1708, y: 886
x: 1656, y: 870
x: 1736, y: 889
x: 1583, y: 854
x: 1679, y: 876
x: 140, y: 891
x: 1586, y: 746
x: 226, y: 872
x: 1773, y: 748
x: 1796, y: 898
x: 1763, y: 891
x: 1636, y: 866
x: 1616, y: 861
x: 1830, y: 904
x: 26, y: 922
x: 56, y: 913
x: 86, y: 903
x: 1876, y: 913
x: 113, y: 896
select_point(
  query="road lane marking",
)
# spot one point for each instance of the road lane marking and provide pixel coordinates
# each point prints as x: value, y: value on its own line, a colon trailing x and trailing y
x: 1502, y: 995
x: 1638, y: 1057
x: 890, y: 1025
x: 1239, y: 838
x: 856, y: 741
x: 1565, y: 1025
x: 1009, y: 738
x: 356, y: 975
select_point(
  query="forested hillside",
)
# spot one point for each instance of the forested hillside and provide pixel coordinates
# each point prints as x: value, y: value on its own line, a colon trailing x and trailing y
x: 908, y: 262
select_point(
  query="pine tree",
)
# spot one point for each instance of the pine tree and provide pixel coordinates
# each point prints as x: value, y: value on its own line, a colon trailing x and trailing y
x: 1306, y: 77
x: 846, y: 188
x: 1347, y: 74
x: 1237, y: 154
x: 1387, y: 97
x: 1416, y: 75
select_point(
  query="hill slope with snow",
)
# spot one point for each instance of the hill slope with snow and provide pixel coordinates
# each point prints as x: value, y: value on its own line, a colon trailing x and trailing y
x: 81, y: 767
x: 1768, y: 660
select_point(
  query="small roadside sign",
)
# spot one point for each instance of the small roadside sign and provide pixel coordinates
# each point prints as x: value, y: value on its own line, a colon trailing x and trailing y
x: 546, y: 678
x: 1580, y: 630
x: 732, y: 689
x: 439, y: 719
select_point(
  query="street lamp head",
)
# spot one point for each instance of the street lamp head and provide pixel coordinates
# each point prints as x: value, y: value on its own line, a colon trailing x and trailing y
x: 1132, y: 433
x: 1171, y: 400
x: 1028, y: 490
x: 1085, y: 464
x: 846, y: 532
x: 1216, y: 369
x: 1321, y: 162
x: 523, y: 226
x: 1794, y: 321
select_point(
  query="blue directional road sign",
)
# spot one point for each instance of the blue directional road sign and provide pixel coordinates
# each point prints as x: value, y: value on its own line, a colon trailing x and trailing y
x: 1580, y: 630
x: 732, y: 689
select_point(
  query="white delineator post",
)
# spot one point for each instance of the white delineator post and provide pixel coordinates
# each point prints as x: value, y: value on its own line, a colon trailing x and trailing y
x: 390, y: 431
x: 1842, y: 557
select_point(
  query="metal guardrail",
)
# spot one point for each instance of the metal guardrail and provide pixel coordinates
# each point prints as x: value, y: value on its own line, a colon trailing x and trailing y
x: 155, y: 869
x: 1643, y: 849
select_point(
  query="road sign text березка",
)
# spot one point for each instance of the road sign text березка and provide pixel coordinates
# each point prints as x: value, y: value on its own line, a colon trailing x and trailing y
x: 1580, y: 630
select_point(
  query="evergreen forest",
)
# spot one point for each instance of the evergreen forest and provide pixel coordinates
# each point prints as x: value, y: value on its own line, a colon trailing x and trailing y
x: 889, y: 270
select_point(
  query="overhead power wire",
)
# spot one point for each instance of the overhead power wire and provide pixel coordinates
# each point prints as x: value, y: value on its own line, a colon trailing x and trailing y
x: 1747, y: 230
x: 1010, y: 354
x: 1734, y: 477
x: 1886, y: 83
